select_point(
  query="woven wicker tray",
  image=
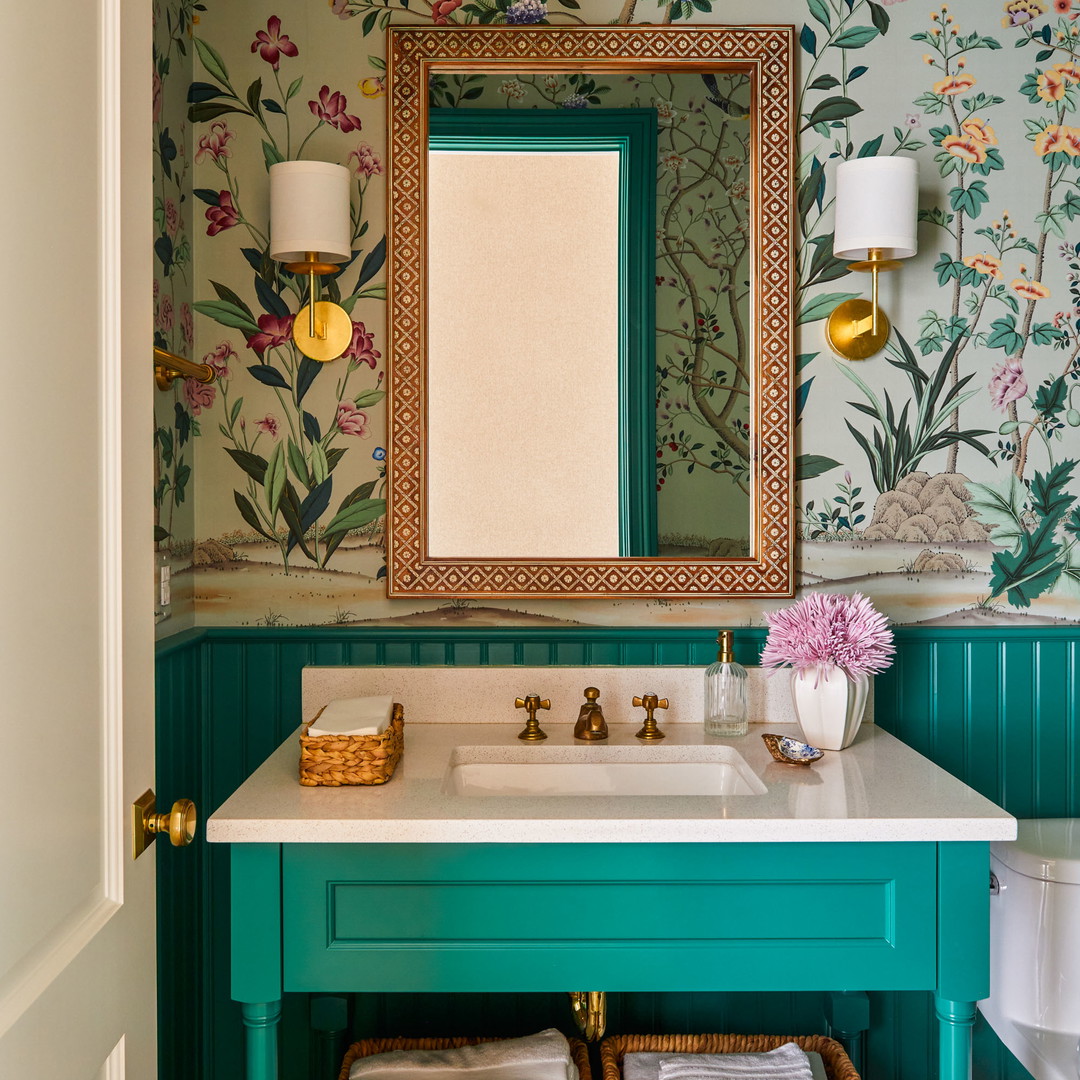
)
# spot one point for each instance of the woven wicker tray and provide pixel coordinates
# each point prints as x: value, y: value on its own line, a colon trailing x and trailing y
x: 837, y: 1064
x: 366, y: 1047
x: 337, y: 760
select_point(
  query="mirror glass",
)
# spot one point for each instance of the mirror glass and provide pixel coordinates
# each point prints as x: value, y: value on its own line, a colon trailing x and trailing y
x: 556, y: 209
x: 497, y: 379
x: 526, y: 445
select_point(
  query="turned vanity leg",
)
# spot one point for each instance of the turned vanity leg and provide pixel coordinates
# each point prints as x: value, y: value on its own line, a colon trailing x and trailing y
x: 847, y: 1014
x: 963, y: 951
x: 261, y: 1039
x: 330, y: 1023
x: 955, y: 1022
x: 256, y: 952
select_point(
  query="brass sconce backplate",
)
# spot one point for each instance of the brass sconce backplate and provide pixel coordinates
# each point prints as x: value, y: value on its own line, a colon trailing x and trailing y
x: 849, y: 330
x: 333, y: 331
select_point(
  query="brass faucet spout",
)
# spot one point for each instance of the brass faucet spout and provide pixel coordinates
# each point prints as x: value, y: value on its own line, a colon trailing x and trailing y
x: 591, y: 725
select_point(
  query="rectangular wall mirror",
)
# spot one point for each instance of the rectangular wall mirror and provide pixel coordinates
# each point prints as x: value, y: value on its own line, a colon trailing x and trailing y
x: 590, y: 311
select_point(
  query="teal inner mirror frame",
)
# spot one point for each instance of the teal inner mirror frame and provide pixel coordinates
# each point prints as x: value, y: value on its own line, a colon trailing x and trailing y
x: 632, y: 134
x: 761, y: 60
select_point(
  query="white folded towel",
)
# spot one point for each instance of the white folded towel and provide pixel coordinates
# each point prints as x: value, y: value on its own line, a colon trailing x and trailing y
x: 786, y: 1062
x: 645, y: 1065
x: 354, y: 716
x: 544, y: 1056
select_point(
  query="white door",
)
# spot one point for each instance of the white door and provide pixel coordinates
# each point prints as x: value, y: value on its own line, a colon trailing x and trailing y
x: 77, y: 978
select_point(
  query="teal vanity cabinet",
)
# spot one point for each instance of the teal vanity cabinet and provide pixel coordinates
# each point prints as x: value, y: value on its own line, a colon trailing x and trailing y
x: 892, y: 900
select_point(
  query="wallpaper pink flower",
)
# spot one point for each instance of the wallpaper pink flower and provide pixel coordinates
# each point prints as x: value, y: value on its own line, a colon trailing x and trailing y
x: 273, y: 44
x: 363, y: 161
x: 330, y: 108
x: 198, y: 395
x: 215, y: 142
x: 218, y: 358
x: 273, y: 331
x: 351, y: 420
x: 268, y: 425
x: 361, y: 350
x: 1007, y: 383
x: 223, y: 216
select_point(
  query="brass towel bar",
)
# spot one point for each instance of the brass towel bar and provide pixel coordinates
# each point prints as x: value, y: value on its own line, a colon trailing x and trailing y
x: 168, y: 366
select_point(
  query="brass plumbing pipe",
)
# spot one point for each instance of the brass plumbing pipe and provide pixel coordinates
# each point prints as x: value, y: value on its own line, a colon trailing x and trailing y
x: 590, y: 1013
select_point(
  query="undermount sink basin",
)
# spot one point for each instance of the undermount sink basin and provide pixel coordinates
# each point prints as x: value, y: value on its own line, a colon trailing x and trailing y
x: 615, y: 770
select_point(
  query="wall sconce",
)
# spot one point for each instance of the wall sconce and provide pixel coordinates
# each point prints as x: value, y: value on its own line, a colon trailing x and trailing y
x: 876, y: 209
x: 311, y: 233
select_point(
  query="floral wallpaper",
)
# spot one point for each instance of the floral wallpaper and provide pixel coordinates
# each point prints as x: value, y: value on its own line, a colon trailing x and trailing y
x: 176, y: 411
x: 940, y: 477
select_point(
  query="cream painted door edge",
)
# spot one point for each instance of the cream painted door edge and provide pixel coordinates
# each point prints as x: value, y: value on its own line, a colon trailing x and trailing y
x: 77, y: 976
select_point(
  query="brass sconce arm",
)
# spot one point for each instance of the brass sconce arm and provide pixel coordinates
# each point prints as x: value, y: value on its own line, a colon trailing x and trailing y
x: 168, y: 366
x: 858, y: 328
x: 326, y: 331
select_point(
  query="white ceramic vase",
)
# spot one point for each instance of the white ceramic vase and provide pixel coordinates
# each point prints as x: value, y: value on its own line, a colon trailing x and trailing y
x: 829, y: 705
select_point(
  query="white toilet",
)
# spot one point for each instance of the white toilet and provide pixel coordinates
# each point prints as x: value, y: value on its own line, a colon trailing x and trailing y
x: 1034, y: 1003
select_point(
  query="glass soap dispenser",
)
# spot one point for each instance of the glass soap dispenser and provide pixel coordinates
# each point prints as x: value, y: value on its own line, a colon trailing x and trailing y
x: 726, y: 696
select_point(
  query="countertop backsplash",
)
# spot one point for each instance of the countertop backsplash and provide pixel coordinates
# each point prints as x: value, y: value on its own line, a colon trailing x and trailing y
x: 456, y: 695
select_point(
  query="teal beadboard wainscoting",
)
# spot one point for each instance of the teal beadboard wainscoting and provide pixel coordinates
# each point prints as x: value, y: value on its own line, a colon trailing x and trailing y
x: 997, y: 707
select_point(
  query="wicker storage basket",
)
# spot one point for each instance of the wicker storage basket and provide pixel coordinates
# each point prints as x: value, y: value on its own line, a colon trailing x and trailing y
x: 366, y: 1047
x: 837, y: 1064
x: 335, y: 760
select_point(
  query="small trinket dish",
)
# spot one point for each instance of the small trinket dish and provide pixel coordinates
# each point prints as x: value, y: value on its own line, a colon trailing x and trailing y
x: 791, y: 751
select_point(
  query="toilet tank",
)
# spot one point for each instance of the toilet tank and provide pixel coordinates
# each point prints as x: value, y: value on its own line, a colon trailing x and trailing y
x: 1035, y: 925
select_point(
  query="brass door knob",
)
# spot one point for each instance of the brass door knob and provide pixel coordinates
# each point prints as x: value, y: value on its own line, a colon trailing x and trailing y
x: 179, y: 823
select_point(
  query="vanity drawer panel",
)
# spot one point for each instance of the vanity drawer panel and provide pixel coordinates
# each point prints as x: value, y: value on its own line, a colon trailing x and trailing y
x: 611, y: 916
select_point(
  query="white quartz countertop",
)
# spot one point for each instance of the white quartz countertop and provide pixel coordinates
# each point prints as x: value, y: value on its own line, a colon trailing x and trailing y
x: 878, y: 789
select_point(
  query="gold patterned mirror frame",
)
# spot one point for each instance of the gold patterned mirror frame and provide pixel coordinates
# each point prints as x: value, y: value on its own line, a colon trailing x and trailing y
x: 766, y: 52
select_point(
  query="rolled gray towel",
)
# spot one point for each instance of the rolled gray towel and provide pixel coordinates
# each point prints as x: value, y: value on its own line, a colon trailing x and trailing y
x: 786, y: 1062
x: 645, y: 1065
x: 544, y: 1056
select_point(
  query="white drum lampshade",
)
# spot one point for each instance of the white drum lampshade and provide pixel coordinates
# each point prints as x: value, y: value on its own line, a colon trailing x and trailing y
x: 309, y: 212
x: 877, y: 202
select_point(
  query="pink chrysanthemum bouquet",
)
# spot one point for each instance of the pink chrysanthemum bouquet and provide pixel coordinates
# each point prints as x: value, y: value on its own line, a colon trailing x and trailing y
x: 829, y: 629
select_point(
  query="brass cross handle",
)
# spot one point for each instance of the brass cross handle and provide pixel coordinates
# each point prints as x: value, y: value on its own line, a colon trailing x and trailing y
x: 530, y: 703
x: 650, y: 702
